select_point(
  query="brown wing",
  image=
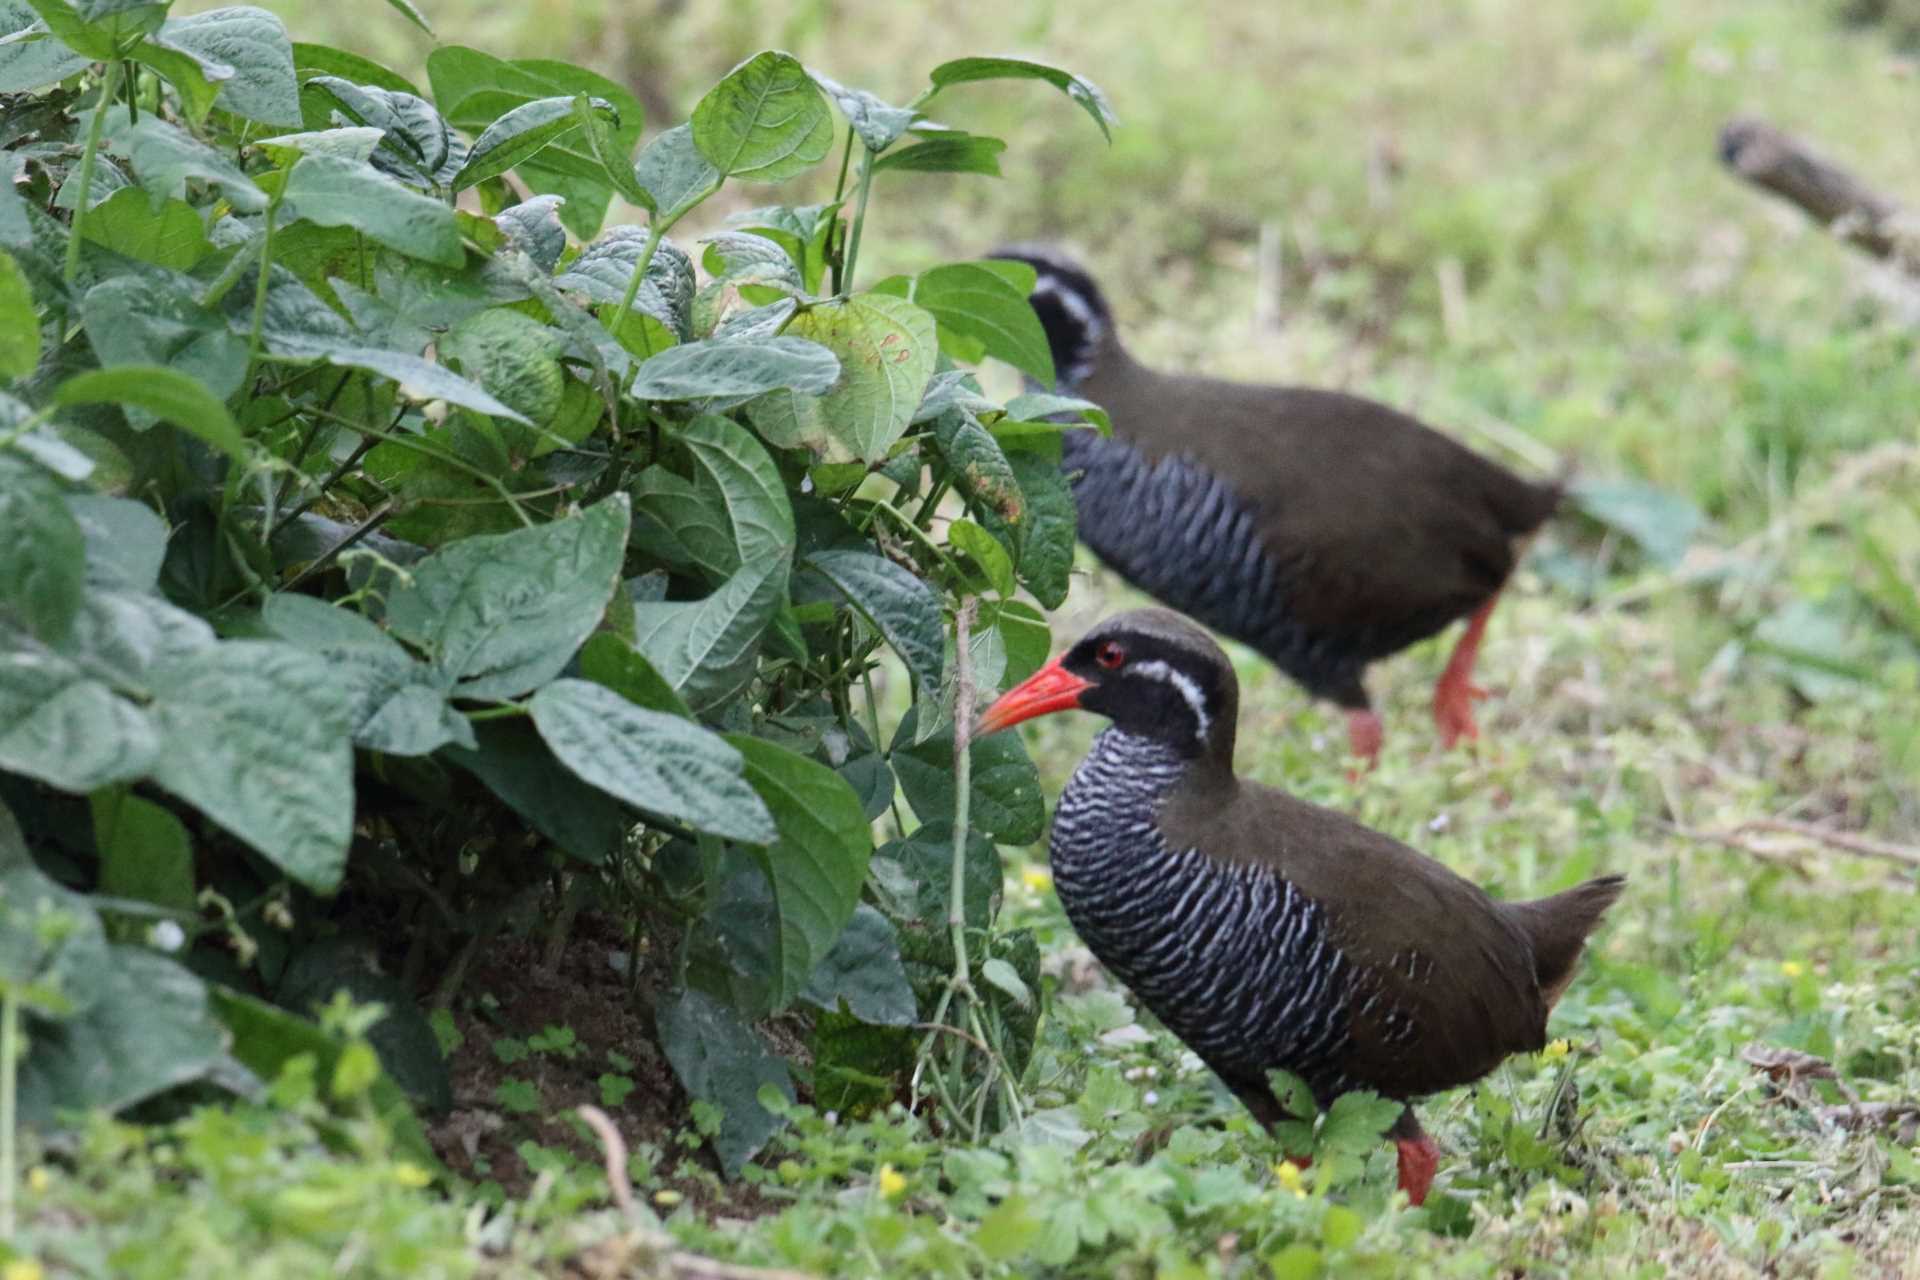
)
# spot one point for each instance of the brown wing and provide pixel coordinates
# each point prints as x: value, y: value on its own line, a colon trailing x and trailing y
x: 1386, y: 519
x: 1446, y: 986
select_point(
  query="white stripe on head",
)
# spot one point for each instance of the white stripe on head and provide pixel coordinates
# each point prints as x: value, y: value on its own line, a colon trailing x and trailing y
x: 1183, y: 683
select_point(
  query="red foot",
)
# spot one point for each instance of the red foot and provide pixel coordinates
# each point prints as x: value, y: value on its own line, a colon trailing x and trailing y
x: 1419, y: 1160
x: 1455, y: 693
x: 1364, y: 736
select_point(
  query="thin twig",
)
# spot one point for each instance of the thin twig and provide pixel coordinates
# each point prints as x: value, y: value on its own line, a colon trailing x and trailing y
x: 613, y: 1154
x: 1865, y: 846
x: 968, y: 1036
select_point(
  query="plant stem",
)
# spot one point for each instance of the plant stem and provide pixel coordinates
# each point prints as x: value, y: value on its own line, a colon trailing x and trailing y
x: 962, y: 788
x: 9, y: 1078
x: 655, y: 231
x: 260, y: 290
x: 109, y: 87
x: 859, y: 224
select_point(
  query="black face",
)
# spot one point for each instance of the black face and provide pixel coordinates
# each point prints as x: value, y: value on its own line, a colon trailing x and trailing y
x: 1153, y: 684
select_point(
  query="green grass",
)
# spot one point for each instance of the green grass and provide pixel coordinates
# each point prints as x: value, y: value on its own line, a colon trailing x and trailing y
x: 1625, y: 304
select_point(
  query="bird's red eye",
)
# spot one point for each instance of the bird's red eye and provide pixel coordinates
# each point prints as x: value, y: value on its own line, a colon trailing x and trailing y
x: 1110, y: 655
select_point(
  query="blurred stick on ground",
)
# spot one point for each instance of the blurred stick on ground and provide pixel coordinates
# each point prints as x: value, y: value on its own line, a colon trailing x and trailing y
x: 1845, y: 205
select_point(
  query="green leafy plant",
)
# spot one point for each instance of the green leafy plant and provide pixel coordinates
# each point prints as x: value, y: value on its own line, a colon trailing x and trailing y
x: 391, y: 555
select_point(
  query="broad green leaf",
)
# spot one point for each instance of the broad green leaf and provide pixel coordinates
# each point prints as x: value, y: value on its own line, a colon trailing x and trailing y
x: 333, y: 192
x: 126, y: 542
x: 674, y: 174
x: 968, y: 70
x: 255, y: 736
x: 265, y: 1038
x: 603, y: 269
x: 980, y: 468
x: 1036, y: 405
x: 720, y: 1060
x: 615, y: 159
x: 299, y: 326
x: 101, y: 29
x: 126, y: 222
x: 19, y: 322
x: 1293, y: 1095
x: 887, y: 351
x: 519, y: 135
x: 705, y: 648
x: 1356, y: 1122
x: 1662, y: 523
x: 194, y: 76
x: 1043, y: 540
x: 148, y: 1032
x: 1002, y: 975
x: 878, y: 124
x: 534, y: 226
x: 946, y: 153
x: 657, y: 763
x: 1005, y: 801
x: 519, y: 768
x: 765, y: 122
x: 978, y: 302
x: 924, y: 862
x: 513, y: 356
x: 71, y: 733
x: 862, y: 973
x: 819, y: 861
x: 166, y: 394
x: 145, y: 854
x: 415, y: 143
x: 802, y: 230
x: 53, y: 952
x: 1023, y: 633
x: 327, y: 60
x: 746, y: 257
x: 608, y: 660
x: 31, y: 64
x: 900, y: 606
x: 396, y: 704
x: 715, y: 368
x: 43, y: 557
x: 501, y: 615
x: 165, y: 157
x: 254, y: 44
x: 985, y: 551
x: 475, y: 89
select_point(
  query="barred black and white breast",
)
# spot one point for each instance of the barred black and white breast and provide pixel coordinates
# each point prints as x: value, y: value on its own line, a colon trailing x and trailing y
x: 1233, y: 958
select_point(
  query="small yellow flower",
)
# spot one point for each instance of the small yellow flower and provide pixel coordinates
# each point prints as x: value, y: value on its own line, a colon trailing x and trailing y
x: 1557, y: 1050
x: 890, y: 1181
x: 668, y: 1198
x: 409, y: 1174
x: 38, y: 1179
x: 22, y: 1269
x: 1289, y: 1175
x: 1792, y: 968
x: 1038, y: 879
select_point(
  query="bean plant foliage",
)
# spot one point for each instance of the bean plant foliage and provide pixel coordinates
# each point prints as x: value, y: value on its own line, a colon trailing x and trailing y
x: 392, y: 554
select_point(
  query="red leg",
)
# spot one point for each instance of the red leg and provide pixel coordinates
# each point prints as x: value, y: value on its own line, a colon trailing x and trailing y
x: 1455, y: 693
x: 1365, y: 735
x: 1419, y: 1160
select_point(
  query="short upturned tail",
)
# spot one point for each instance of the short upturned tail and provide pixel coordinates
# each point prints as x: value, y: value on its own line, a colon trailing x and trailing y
x: 1071, y: 308
x: 1558, y: 927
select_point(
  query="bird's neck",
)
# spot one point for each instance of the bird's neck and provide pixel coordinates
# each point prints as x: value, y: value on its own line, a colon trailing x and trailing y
x: 1106, y: 814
